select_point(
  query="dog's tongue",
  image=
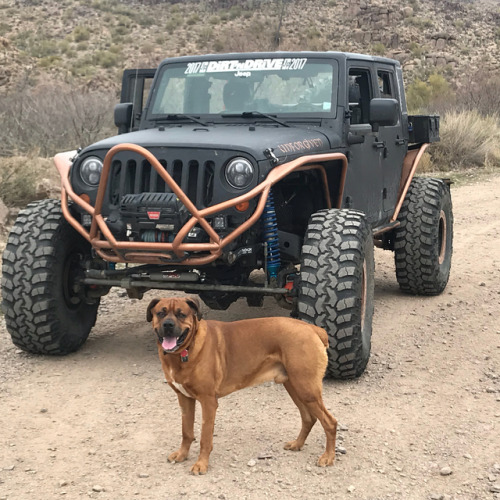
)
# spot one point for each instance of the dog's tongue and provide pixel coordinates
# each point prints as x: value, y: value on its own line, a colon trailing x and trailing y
x: 169, y: 343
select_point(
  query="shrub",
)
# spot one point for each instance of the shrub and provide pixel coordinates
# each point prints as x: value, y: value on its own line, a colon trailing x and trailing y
x: 146, y: 20
x: 173, y: 23
x: 125, y: 21
x: 31, y: 121
x: 467, y: 140
x: 49, y: 62
x: 423, y: 95
x: 81, y: 34
x: 192, y: 20
x: 17, y: 182
x: 235, y: 12
x: 379, y: 49
x: 416, y: 49
x: 481, y: 93
x: 312, y: 33
x: 106, y: 59
x: 4, y: 29
x: 44, y: 48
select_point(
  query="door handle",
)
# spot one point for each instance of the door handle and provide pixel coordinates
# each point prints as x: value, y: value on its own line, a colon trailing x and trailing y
x: 379, y: 144
x: 400, y: 142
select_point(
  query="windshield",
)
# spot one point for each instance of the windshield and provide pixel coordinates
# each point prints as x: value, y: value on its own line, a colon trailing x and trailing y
x: 278, y: 86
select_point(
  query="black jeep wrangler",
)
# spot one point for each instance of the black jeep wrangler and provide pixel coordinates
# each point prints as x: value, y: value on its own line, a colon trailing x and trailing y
x: 290, y: 164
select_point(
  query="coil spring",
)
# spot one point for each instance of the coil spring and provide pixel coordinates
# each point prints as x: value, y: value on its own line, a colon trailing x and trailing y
x: 270, y: 230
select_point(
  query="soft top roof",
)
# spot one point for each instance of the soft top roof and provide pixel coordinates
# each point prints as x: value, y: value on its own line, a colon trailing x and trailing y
x: 341, y: 56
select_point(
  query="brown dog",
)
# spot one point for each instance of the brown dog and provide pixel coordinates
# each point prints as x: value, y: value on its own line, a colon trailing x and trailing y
x: 205, y: 360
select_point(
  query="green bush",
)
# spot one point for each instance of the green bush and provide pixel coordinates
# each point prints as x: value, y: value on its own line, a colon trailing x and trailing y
x: 81, y: 34
x: 44, y: 48
x: 379, y: 49
x: 313, y: 33
x: 49, y: 62
x: 234, y: 12
x: 422, y: 95
x: 416, y: 49
x: 106, y: 59
x: 192, y: 20
x: 4, y: 28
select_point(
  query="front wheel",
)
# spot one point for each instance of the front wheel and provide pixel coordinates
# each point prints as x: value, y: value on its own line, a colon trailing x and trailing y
x: 337, y: 287
x: 46, y: 309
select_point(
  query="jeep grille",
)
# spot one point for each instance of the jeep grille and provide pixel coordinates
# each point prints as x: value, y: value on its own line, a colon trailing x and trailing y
x: 136, y: 175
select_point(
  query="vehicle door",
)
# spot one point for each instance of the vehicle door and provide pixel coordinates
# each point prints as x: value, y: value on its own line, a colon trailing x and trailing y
x: 392, y: 138
x: 136, y: 84
x: 364, y: 180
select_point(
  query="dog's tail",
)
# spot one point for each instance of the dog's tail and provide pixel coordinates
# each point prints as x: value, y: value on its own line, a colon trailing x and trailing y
x: 321, y: 334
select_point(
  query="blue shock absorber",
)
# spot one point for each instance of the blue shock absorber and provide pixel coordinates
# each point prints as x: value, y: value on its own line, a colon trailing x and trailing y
x: 270, y: 229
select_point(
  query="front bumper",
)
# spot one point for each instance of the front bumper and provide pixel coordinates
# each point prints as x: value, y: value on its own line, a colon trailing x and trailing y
x: 179, y: 252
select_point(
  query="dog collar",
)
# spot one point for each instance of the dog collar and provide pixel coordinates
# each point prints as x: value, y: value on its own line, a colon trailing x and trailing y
x: 184, y: 355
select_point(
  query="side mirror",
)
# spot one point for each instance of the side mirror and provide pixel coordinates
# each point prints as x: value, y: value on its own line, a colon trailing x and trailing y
x: 384, y: 112
x: 123, y: 116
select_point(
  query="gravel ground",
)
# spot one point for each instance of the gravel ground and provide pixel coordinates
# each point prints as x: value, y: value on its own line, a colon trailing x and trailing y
x: 423, y: 422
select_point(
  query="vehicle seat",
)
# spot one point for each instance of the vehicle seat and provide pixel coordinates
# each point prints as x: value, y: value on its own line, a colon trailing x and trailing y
x: 354, y: 103
x: 236, y: 96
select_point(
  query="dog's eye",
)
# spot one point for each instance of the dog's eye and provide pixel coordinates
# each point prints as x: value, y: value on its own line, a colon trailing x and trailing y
x: 181, y: 315
x: 161, y: 314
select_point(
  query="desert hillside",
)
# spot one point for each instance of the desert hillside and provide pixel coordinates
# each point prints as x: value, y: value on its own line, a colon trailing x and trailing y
x: 61, y: 64
x: 88, y: 43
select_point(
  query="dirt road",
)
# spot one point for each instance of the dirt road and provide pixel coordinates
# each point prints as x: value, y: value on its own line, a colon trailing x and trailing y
x: 422, y: 423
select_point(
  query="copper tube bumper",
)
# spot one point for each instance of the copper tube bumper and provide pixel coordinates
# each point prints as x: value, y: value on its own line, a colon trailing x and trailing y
x: 176, y: 252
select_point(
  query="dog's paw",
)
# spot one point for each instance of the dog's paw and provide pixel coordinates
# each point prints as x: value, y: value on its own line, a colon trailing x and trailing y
x: 199, y: 468
x: 177, y: 456
x: 293, y: 446
x: 326, y: 460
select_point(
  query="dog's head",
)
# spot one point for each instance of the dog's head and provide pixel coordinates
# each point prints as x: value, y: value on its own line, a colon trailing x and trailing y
x: 175, y: 321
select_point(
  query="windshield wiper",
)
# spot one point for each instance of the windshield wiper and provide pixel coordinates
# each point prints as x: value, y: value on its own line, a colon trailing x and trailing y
x: 180, y: 116
x: 253, y: 114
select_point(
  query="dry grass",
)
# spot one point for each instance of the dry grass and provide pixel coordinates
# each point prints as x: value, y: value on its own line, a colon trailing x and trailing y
x: 47, y: 119
x: 25, y: 179
x: 468, y: 139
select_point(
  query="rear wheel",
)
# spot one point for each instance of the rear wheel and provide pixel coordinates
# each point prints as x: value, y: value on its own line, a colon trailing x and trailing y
x: 423, y: 242
x: 337, y: 287
x: 46, y: 310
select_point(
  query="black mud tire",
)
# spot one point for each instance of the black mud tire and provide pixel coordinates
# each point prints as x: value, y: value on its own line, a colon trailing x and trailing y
x: 43, y: 314
x: 337, y: 287
x: 423, y: 243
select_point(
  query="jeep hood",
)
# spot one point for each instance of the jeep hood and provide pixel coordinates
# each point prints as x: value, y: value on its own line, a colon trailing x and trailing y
x: 251, y: 139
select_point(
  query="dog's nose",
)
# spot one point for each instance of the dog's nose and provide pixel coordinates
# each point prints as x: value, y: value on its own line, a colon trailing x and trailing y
x: 168, y: 325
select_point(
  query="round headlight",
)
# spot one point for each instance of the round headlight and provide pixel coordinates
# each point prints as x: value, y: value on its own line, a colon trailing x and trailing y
x: 239, y: 173
x: 90, y: 171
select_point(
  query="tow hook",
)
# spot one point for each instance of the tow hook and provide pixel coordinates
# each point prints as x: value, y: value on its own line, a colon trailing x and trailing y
x: 290, y: 286
x: 290, y: 283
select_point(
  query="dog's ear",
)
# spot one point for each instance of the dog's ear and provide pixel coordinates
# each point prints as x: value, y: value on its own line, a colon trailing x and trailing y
x: 195, y: 305
x: 149, y: 314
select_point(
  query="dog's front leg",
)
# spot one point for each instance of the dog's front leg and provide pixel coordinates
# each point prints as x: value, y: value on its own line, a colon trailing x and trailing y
x: 187, y: 408
x: 208, y: 409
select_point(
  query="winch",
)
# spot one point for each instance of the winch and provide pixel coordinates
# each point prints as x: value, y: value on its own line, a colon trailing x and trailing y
x: 149, y: 217
x: 157, y: 211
